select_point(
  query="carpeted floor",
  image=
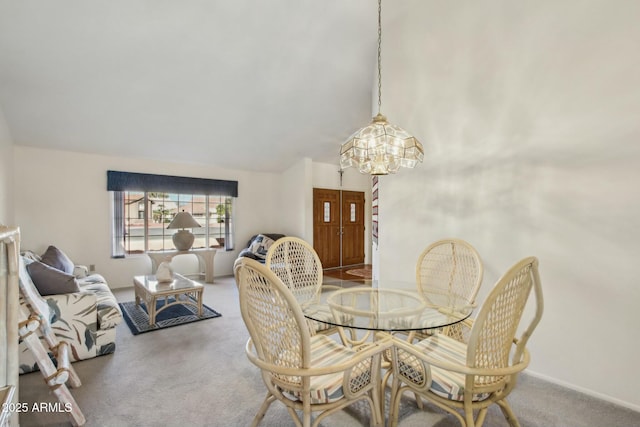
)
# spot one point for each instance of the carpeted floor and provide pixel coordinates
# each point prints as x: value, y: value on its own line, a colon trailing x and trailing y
x: 198, y: 375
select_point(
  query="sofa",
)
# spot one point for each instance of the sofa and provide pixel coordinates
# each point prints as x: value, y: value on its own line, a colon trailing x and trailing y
x: 86, y: 317
x: 258, y: 246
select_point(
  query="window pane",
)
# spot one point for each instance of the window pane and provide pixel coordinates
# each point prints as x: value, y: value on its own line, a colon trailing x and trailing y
x: 117, y: 226
x: 216, y: 222
x: 162, y: 209
x: 147, y: 215
x: 197, y: 207
x: 134, y: 235
x: 229, y: 224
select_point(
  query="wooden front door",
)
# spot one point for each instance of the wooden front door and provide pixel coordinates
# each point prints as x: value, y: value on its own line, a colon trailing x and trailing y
x: 352, y: 227
x: 338, y: 227
x: 326, y: 226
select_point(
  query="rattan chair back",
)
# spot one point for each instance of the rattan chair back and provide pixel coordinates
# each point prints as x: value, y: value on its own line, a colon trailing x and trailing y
x: 450, y: 267
x: 297, y: 264
x: 307, y: 372
x: 496, y: 325
x: 273, y: 317
x: 473, y: 374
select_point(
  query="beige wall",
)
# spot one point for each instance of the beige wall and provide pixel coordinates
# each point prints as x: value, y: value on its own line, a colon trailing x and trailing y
x: 296, y: 196
x: 528, y: 112
x: 6, y: 173
x: 61, y: 199
x: 293, y: 200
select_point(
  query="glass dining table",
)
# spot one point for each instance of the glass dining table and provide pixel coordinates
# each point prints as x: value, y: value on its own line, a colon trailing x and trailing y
x: 385, y: 306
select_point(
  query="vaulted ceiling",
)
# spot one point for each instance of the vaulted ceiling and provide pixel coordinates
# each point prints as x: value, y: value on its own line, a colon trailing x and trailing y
x: 232, y: 83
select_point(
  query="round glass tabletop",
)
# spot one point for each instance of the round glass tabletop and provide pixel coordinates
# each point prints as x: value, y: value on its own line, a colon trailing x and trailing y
x: 388, y: 306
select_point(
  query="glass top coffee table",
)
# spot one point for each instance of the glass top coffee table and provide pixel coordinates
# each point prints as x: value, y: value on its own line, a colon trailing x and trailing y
x: 185, y: 291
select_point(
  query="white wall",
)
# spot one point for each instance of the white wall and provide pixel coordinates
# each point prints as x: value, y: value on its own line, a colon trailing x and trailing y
x: 6, y: 173
x: 326, y: 176
x: 294, y: 194
x: 61, y: 199
x: 528, y: 112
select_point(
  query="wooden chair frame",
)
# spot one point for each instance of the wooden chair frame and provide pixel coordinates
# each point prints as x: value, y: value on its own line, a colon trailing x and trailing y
x: 33, y: 320
x: 277, y: 326
x: 494, y: 355
x: 453, y: 268
x: 297, y: 264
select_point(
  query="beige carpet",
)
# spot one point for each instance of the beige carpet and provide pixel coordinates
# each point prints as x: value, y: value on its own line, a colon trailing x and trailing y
x: 198, y: 375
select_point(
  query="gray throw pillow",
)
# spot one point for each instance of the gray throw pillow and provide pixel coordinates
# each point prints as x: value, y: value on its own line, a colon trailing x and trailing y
x: 51, y: 281
x: 55, y: 258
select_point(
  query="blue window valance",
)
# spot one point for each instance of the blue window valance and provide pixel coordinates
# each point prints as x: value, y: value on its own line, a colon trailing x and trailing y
x: 131, y: 181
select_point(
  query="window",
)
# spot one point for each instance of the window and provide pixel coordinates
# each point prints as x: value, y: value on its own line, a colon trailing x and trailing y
x: 141, y: 210
x: 143, y: 206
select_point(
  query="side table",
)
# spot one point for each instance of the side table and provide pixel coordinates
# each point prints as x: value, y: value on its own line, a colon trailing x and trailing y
x: 205, y: 260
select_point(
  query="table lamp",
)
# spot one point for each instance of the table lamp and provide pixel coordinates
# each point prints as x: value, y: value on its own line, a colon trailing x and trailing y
x: 183, y: 239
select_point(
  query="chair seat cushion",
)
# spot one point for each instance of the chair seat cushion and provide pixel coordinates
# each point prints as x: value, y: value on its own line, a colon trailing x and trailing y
x: 447, y: 384
x: 328, y: 388
x: 428, y: 318
x: 323, y: 313
x: 109, y: 314
x: 319, y: 326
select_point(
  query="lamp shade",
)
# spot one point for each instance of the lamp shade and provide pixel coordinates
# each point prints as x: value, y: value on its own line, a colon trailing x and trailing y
x: 381, y: 148
x: 183, y: 220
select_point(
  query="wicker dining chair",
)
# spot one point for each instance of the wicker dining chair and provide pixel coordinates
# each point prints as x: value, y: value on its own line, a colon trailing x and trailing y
x: 452, y: 268
x: 297, y: 264
x: 307, y: 372
x: 471, y: 376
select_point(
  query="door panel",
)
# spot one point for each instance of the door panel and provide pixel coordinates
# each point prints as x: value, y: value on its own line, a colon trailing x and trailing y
x: 338, y: 227
x: 352, y: 227
x: 326, y: 226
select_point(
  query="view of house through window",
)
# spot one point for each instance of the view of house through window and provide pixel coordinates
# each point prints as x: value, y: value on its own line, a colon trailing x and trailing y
x: 146, y: 215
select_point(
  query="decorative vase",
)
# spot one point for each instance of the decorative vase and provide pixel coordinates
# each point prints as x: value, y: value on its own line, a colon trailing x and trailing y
x: 164, y: 273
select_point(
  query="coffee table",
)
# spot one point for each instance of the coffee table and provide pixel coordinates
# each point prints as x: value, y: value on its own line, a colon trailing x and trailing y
x: 148, y: 288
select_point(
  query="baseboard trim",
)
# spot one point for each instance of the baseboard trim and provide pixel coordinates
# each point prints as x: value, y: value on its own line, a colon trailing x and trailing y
x: 586, y: 391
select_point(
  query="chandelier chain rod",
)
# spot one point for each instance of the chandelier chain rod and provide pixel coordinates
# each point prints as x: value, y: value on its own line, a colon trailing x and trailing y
x: 379, y: 55
x: 380, y: 148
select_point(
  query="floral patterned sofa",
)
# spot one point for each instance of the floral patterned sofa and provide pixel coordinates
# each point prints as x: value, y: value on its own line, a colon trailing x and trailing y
x: 86, y: 319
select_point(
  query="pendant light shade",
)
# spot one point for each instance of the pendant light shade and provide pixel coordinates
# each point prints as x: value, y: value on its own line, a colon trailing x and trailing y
x: 381, y: 148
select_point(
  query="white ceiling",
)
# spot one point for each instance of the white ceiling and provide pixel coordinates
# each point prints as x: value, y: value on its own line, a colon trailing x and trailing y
x: 233, y: 83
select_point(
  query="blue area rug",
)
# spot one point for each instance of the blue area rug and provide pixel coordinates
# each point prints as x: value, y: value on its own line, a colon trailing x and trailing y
x: 137, y: 317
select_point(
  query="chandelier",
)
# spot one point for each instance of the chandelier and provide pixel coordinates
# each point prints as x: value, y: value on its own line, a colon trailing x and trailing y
x: 381, y: 148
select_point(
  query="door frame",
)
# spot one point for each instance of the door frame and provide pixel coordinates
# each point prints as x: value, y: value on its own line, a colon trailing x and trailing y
x: 366, y: 234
